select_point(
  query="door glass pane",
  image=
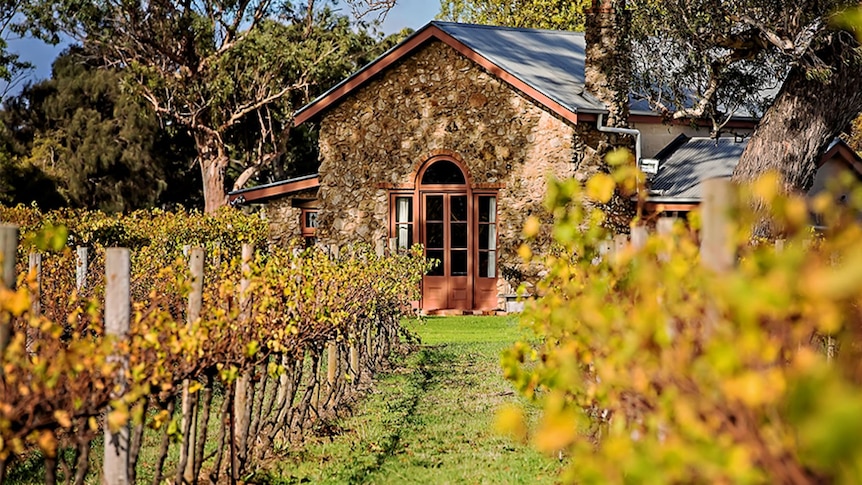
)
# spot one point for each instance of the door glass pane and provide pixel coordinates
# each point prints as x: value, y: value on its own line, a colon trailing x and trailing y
x: 458, y: 233
x: 459, y: 263
x: 441, y: 257
x: 488, y: 264
x: 458, y: 208
x: 434, y: 208
x: 434, y: 235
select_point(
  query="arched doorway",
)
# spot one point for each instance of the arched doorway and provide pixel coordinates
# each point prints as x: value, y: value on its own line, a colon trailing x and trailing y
x: 445, y: 232
x: 456, y: 223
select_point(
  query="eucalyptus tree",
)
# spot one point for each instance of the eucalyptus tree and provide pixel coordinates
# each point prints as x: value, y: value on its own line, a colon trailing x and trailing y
x: 218, y: 67
x: 96, y: 144
x: 12, y: 68
x: 790, y: 64
x: 539, y: 14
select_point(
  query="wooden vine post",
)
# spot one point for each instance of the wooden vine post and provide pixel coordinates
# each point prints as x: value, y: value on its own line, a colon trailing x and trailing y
x: 354, y: 359
x: 34, y: 268
x: 716, y: 238
x: 186, y: 468
x: 241, y: 410
x: 81, y: 268
x: 331, y: 364
x: 717, y: 251
x: 117, y: 310
x: 639, y: 237
x: 8, y: 251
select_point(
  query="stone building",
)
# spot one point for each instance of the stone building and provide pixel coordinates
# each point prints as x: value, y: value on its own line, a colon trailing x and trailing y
x: 449, y: 140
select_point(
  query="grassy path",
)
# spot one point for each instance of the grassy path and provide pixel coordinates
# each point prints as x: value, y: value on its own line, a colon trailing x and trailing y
x: 431, y: 421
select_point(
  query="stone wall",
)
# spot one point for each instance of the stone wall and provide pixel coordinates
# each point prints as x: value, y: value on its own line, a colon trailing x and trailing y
x: 437, y: 100
x: 283, y: 217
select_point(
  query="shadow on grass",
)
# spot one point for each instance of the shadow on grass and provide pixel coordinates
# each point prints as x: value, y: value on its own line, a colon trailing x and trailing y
x: 428, y: 363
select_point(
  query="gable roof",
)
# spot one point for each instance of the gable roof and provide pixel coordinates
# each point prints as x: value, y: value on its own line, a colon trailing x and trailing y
x: 686, y: 162
x: 546, y: 65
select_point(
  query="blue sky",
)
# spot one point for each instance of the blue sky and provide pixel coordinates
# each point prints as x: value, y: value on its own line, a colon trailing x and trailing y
x: 407, y: 13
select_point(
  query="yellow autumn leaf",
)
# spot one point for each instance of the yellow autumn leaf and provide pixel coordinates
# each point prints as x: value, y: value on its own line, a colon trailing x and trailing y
x: 532, y: 227
x: 822, y: 203
x: 195, y: 386
x: 48, y: 443
x: 766, y: 187
x: 838, y: 282
x: 618, y: 157
x: 797, y: 211
x: 16, y: 302
x: 558, y: 430
x: 755, y: 388
x: 63, y: 418
x: 525, y: 253
x: 510, y: 422
x: 600, y: 188
x: 117, y: 419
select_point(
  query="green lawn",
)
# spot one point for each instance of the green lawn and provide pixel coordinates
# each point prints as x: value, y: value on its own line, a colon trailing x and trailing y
x: 430, y: 421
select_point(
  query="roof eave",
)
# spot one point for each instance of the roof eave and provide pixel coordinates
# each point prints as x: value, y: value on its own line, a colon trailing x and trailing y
x: 263, y: 193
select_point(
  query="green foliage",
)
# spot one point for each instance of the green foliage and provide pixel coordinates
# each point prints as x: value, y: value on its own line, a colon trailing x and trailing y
x: 854, y: 137
x: 229, y: 73
x: 81, y: 134
x: 653, y: 368
x: 538, y: 14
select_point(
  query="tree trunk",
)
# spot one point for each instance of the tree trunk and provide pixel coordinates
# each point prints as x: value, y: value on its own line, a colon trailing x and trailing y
x: 607, y: 72
x: 805, y: 117
x: 213, y: 161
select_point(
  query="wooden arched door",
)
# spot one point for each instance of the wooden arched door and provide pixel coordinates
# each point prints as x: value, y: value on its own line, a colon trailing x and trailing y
x: 446, y: 232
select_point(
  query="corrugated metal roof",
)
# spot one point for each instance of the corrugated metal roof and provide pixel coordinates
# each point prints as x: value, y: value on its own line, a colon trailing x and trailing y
x: 550, y: 61
x: 681, y: 170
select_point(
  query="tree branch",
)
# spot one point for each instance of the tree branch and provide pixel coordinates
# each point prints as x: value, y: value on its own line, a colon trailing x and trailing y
x: 248, y: 108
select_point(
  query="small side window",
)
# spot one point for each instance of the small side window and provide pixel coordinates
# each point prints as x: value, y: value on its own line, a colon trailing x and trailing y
x: 487, y: 237
x: 308, y: 226
x: 403, y: 226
